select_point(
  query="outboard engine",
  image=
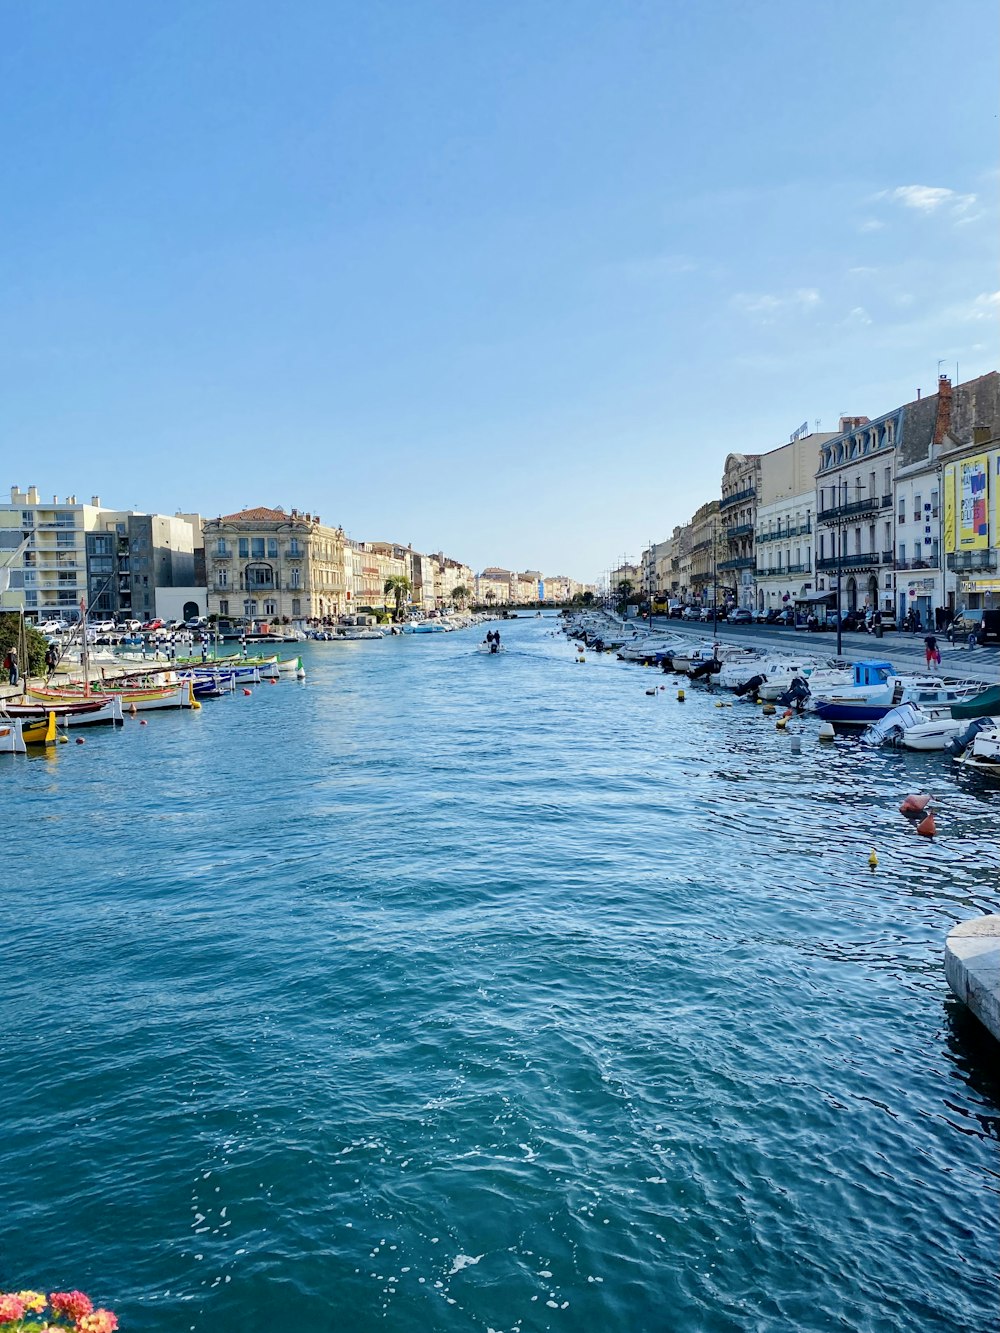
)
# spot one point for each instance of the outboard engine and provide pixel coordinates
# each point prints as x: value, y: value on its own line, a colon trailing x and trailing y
x: 963, y: 739
x: 703, y: 669
x: 796, y: 694
x: 750, y: 687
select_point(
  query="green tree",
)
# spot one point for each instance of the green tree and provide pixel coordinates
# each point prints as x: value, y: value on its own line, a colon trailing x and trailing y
x: 10, y: 630
x: 624, y: 592
x: 400, y: 586
x: 460, y: 594
x: 490, y: 597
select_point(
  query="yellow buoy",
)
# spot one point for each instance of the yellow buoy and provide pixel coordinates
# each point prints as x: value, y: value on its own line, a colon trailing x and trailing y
x: 680, y: 696
x: 872, y: 859
x: 781, y: 724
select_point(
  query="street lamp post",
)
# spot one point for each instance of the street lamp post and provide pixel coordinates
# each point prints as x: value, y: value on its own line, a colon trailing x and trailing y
x: 840, y: 547
x: 715, y: 581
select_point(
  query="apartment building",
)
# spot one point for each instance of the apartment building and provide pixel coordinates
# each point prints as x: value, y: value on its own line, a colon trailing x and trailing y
x: 118, y: 563
x: 264, y: 564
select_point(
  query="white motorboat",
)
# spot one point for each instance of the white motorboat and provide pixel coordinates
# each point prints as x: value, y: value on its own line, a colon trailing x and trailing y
x: 821, y: 680
x: 915, y: 727
x: 688, y: 661
x: 983, y: 753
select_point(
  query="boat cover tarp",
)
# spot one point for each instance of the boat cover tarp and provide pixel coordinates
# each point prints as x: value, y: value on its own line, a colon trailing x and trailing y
x: 986, y: 704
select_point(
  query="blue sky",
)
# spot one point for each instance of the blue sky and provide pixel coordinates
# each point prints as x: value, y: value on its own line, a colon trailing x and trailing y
x: 508, y: 280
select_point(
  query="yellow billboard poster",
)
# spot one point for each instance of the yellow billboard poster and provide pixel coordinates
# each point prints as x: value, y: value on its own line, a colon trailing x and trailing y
x: 995, y: 484
x: 973, y: 513
x: 949, y: 508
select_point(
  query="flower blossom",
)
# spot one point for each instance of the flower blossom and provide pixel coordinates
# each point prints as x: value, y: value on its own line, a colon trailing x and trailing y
x: 11, y: 1307
x: 33, y: 1300
x: 101, y: 1321
x: 72, y: 1303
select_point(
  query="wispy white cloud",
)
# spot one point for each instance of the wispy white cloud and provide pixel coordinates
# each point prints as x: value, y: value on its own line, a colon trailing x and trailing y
x: 931, y: 199
x: 985, y: 306
x: 862, y: 271
x: 859, y: 315
x: 770, y: 304
x: 871, y: 224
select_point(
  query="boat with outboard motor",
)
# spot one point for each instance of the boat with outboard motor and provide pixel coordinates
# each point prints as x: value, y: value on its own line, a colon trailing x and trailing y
x: 876, y: 689
x: 982, y: 753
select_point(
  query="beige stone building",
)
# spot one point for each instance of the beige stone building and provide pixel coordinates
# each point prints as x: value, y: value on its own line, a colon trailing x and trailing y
x: 707, y: 553
x: 265, y: 564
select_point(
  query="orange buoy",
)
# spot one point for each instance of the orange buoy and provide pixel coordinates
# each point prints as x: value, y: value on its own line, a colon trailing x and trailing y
x: 927, y: 827
x: 247, y: 691
x: 915, y: 805
x: 787, y: 713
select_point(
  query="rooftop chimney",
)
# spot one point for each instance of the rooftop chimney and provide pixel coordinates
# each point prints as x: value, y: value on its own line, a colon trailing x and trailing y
x: 55, y: 499
x: 942, y: 423
x: 981, y: 434
x: 95, y: 500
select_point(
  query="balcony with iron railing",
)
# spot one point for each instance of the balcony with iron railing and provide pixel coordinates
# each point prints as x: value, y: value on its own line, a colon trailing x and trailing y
x: 781, y: 570
x: 741, y: 530
x: 738, y: 497
x: 919, y: 562
x: 854, y: 560
x: 963, y: 561
x: 783, y: 534
x: 869, y: 504
x: 742, y: 562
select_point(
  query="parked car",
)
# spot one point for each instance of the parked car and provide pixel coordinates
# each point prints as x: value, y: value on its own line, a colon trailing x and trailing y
x: 53, y: 627
x: 196, y: 622
x: 691, y: 613
x: 760, y: 617
x: 103, y: 626
x: 153, y: 624
x: 741, y: 616
x: 786, y: 616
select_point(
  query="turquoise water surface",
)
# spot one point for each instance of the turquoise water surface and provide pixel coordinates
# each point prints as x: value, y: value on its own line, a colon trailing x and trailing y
x: 448, y: 992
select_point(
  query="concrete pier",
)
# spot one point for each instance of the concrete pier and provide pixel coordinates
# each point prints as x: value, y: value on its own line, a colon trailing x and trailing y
x: 972, y: 966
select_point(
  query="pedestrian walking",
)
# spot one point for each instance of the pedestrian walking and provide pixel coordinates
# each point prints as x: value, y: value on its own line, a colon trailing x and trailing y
x: 932, y: 654
x: 12, y: 665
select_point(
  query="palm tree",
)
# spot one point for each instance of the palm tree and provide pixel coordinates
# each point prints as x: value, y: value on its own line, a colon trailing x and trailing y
x: 490, y: 596
x: 400, y: 586
x: 460, y: 594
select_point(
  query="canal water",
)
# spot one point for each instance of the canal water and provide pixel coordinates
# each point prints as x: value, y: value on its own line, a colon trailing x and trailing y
x: 449, y: 992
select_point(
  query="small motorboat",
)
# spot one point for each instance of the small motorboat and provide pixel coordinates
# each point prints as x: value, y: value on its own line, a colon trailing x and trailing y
x: 983, y: 751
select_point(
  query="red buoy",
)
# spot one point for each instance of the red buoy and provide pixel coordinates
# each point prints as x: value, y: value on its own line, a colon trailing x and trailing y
x: 927, y: 827
x: 79, y: 740
x: 247, y: 691
x: 915, y: 805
